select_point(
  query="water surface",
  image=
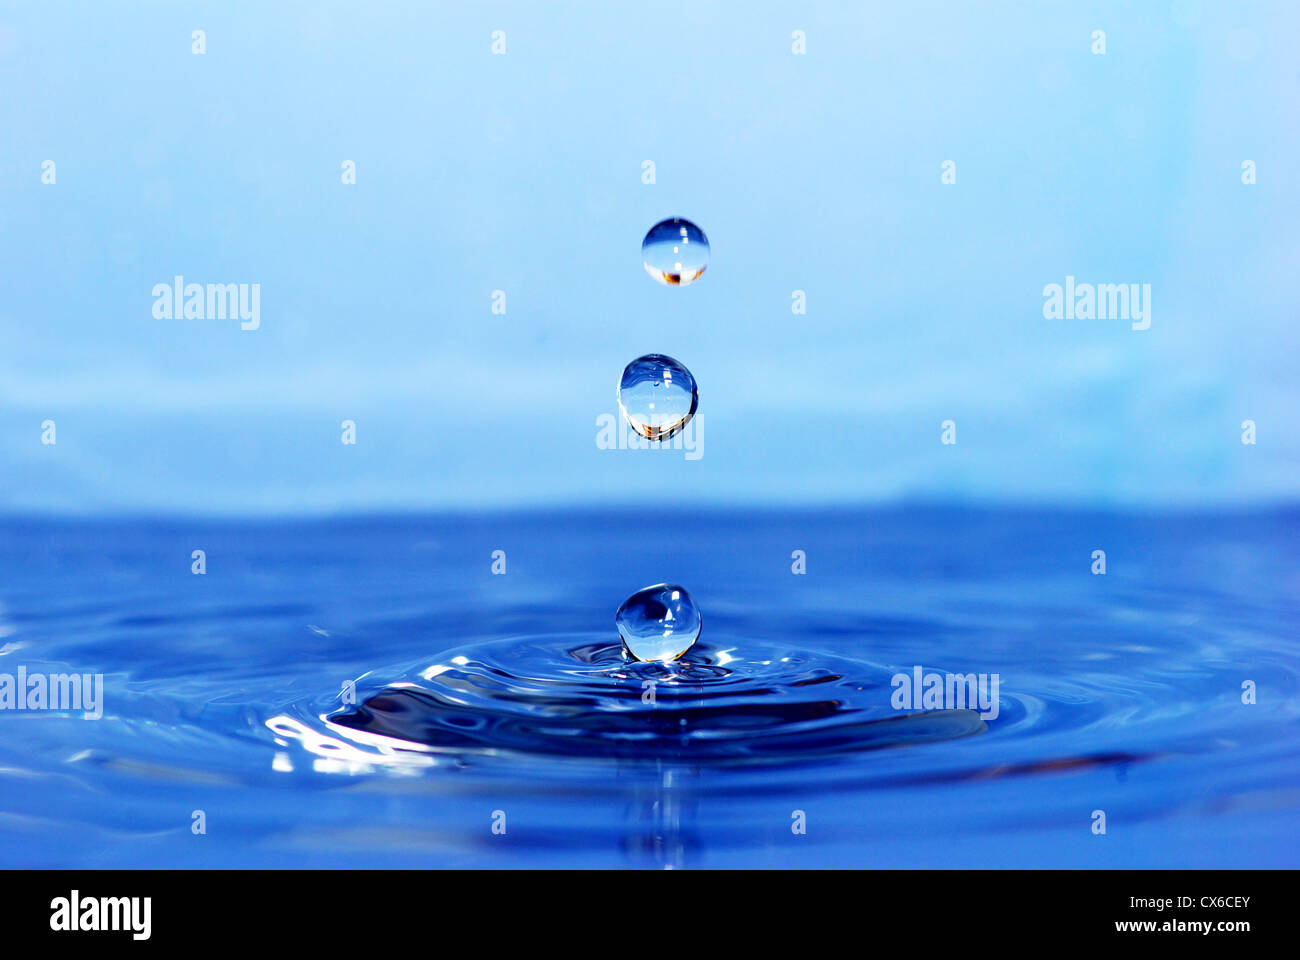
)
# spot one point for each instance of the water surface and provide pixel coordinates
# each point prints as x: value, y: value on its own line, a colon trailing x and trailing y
x: 477, y: 693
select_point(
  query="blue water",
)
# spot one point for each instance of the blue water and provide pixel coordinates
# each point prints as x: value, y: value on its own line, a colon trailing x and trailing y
x: 478, y: 693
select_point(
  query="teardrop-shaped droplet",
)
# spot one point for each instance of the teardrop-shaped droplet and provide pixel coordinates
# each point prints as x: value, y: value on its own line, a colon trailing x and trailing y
x: 657, y: 396
x: 659, y: 623
x: 675, y: 252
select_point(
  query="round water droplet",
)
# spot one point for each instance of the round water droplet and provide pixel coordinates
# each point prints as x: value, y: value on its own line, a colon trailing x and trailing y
x: 675, y: 252
x: 657, y: 396
x: 659, y: 623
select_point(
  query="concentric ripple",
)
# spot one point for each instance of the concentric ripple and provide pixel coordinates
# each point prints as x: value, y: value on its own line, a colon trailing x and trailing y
x: 748, y: 702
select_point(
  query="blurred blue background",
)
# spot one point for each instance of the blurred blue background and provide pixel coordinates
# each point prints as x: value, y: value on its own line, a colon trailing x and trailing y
x: 523, y: 173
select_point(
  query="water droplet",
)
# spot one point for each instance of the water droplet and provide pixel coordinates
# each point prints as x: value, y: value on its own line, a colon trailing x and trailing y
x: 659, y: 623
x: 675, y: 252
x: 657, y: 396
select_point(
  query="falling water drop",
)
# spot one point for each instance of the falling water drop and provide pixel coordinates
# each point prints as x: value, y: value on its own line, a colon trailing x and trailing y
x: 675, y: 252
x: 657, y: 395
x: 659, y: 623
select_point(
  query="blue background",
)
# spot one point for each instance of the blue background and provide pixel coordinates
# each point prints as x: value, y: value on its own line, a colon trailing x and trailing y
x: 522, y: 173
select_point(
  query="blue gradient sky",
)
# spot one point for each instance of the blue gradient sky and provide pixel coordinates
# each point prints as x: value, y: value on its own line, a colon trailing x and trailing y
x: 523, y: 173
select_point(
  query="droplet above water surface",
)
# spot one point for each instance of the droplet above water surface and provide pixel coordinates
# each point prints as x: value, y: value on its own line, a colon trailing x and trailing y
x: 657, y: 395
x: 675, y: 252
x: 659, y: 623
